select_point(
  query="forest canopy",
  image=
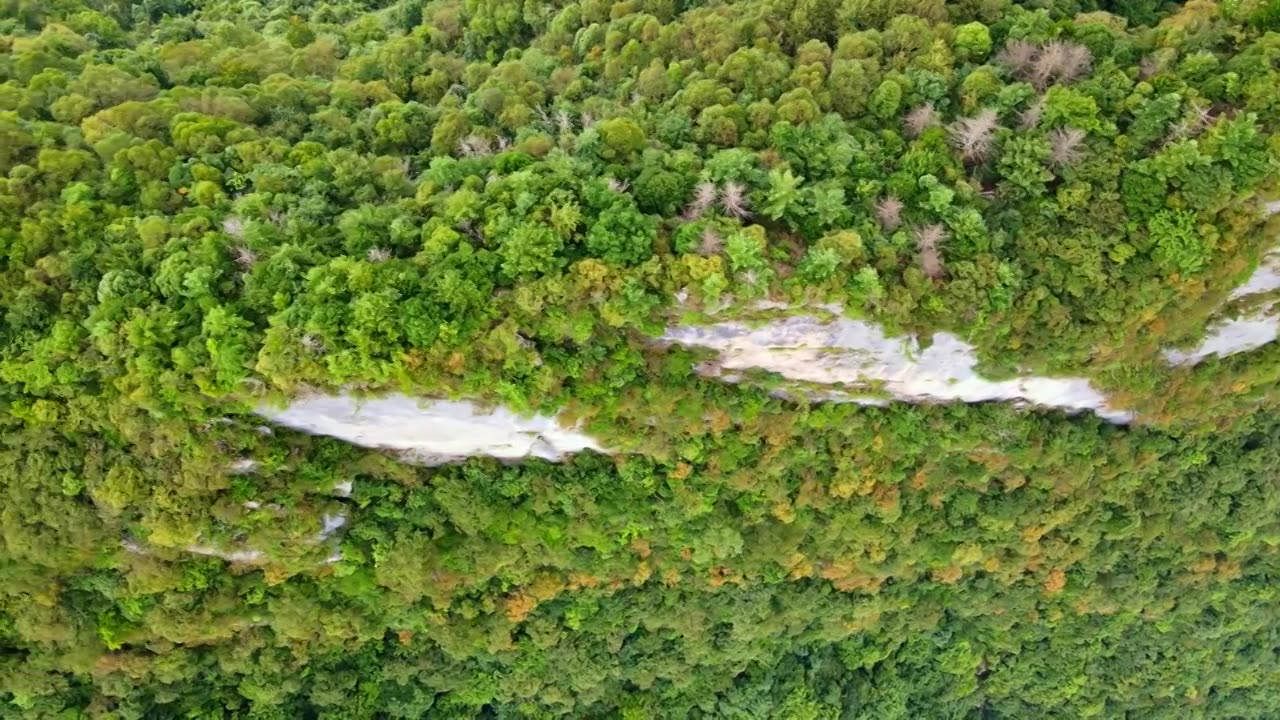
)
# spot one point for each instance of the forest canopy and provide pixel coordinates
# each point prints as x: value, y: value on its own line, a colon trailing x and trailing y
x: 206, y: 205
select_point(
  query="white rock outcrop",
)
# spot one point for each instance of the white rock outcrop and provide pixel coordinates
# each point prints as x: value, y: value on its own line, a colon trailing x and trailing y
x: 243, y: 554
x: 243, y: 466
x: 1265, y: 279
x: 332, y: 524
x: 246, y: 556
x: 1228, y: 337
x: 858, y: 354
x: 1259, y: 326
x: 849, y: 360
x: 431, y: 432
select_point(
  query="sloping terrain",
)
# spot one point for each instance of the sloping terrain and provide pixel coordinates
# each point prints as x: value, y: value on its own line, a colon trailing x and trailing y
x: 642, y: 359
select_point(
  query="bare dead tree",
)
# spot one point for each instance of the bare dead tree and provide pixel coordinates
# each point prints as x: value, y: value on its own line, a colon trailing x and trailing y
x: 1205, y: 117
x: 733, y: 200
x: 312, y: 344
x: 920, y: 119
x: 889, y: 212
x: 1075, y: 62
x: 1047, y: 64
x: 1028, y: 119
x: 1017, y: 57
x: 929, y: 239
x: 704, y: 196
x: 1064, y: 146
x: 974, y: 136
x: 1179, y: 130
x: 233, y: 226
x: 474, y: 146
x: 564, y: 121
x: 245, y: 257
x: 711, y: 243
x: 616, y: 185
x: 378, y: 255
x: 1055, y: 61
x: 1060, y: 60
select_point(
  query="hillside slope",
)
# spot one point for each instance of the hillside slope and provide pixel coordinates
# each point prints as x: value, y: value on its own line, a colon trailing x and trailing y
x: 647, y: 359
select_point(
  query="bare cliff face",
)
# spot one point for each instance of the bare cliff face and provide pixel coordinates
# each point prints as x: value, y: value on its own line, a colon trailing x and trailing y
x: 1253, y: 329
x: 853, y: 355
x: 846, y: 360
x: 856, y: 359
x: 431, y: 432
x: 1231, y: 336
x: 853, y: 358
x: 423, y: 431
x: 818, y: 353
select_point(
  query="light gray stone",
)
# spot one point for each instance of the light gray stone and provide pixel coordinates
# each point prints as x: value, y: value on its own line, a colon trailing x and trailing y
x: 1228, y: 337
x: 858, y: 354
x: 243, y: 466
x: 431, y: 431
x: 1260, y: 326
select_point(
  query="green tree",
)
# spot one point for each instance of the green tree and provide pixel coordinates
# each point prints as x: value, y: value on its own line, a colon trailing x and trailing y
x: 621, y: 234
x: 972, y: 42
x: 620, y: 139
x: 529, y: 249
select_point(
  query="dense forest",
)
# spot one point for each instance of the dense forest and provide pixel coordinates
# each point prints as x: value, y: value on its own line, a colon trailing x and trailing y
x: 208, y: 205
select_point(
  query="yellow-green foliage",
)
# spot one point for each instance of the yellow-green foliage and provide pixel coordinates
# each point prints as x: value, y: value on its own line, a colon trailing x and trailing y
x: 206, y: 205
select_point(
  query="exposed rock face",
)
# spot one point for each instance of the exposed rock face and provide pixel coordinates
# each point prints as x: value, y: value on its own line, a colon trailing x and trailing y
x: 332, y: 524
x: 243, y: 466
x: 1265, y: 279
x: 425, y: 431
x: 431, y: 432
x: 246, y: 556
x: 1229, y: 337
x: 858, y: 354
x: 852, y: 357
x: 1258, y: 327
x: 853, y: 361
